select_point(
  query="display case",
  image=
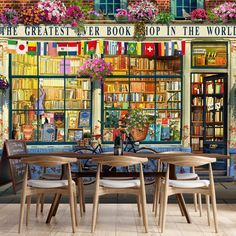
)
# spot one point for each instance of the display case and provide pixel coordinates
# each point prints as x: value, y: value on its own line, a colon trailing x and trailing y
x: 49, y: 103
x: 209, y: 112
x: 153, y: 84
x: 209, y: 55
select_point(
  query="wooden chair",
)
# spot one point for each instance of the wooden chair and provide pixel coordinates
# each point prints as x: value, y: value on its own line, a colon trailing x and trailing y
x: 180, y: 176
x: 111, y: 186
x: 36, y: 187
x: 204, y: 187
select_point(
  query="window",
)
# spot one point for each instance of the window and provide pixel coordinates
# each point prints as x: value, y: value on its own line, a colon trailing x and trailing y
x: 109, y: 6
x: 177, y: 6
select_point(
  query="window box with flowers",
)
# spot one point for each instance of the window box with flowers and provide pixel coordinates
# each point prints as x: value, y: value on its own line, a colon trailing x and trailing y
x: 226, y: 12
x: 199, y: 15
x: 123, y: 15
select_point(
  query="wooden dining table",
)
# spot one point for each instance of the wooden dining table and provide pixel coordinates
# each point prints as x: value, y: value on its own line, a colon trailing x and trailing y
x: 155, y: 156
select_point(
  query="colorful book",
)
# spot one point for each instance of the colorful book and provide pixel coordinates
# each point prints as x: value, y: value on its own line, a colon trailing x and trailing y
x: 165, y: 132
x: 49, y: 133
x: 84, y: 119
x: 59, y: 119
x: 78, y: 135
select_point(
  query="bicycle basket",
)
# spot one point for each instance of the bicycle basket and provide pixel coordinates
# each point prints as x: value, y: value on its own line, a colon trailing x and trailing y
x: 139, y: 135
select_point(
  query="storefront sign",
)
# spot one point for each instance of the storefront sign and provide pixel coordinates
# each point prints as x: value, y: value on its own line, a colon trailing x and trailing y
x: 114, y: 31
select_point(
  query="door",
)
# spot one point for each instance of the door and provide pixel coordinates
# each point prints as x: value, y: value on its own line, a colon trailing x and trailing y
x: 215, y: 114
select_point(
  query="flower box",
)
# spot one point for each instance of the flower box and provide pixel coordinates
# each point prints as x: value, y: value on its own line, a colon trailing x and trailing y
x: 122, y: 18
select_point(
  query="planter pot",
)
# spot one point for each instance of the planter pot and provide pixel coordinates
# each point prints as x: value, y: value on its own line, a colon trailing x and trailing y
x: 139, y: 134
x: 122, y: 19
x: 198, y: 21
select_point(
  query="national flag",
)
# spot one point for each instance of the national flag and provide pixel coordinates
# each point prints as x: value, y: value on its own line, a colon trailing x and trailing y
x: 162, y: 49
x: 183, y: 44
x: 92, y: 46
x: 62, y: 49
x: 79, y: 48
x: 122, y: 47
x: 100, y: 47
x: 105, y: 43
x: 125, y: 47
x: 132, y: 48
x: 32, y: 48
x: 149, y: 49
x: 85, y: 47
x: 112, y: 47
x: 119, y: 48
x: 52, y: 49
x: 22, y: 47
x: 72, y: 48
x: 82, y: 48
x: 139, y: 48
x: 11, y: 46
x: 42, y: 48
x: 169, y: 49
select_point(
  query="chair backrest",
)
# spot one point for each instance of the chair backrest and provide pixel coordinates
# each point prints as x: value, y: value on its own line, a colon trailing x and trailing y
x: 120, y: 160
x: 188, y: 160
x: 48, y: 161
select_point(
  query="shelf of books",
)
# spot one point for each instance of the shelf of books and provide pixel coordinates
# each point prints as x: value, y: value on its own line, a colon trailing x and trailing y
x: 207, y: 54
x: 208, y: 112
x: 149, y: 83
x: 51, y: 104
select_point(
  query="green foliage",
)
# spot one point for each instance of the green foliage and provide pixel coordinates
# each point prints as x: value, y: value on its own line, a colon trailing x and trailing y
x: 87, y: 135
x: 84, y: 8
x: 164, y: 18
x: 211, y: 16
x: 136, y: 118
x: 111, y: 121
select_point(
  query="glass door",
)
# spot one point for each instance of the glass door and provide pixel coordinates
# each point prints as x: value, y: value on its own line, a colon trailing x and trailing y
x: 215, y: 114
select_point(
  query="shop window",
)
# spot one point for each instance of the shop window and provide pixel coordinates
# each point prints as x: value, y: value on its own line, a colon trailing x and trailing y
x: 153, y: 84
x: 208, y: 55
x: 180, y: 6
x: 109, y: 6
x: 49, y: 102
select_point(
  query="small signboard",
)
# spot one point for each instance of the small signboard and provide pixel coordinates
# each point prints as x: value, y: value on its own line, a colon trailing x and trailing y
x: 12, y: 170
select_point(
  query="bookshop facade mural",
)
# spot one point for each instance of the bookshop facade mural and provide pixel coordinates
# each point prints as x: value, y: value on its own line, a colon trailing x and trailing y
x: 154, y: 75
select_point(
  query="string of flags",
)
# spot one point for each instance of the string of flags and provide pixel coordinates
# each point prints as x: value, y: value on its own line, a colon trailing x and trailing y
x: 106, y: 47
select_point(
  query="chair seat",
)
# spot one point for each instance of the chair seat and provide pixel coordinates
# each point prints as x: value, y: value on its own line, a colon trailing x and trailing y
x: 48, y: 183
x: 119, y: 183
x: 182, y: 176
x: 189, y: 183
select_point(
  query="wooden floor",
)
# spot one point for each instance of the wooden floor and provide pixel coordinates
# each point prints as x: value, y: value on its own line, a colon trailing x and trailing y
x: 117, y: 220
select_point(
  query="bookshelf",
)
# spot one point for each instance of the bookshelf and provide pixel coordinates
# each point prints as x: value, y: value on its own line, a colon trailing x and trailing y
x: 153, y: 84
x: 209, y: 112
x: 209, y: 55
x: 49, y: 103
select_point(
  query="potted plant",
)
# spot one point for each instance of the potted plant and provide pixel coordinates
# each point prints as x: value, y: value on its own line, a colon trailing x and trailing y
x: 226, y: 11
x: 96, y: 68
x: 198, y: 15
x: 164, y: 18
x: 95, y: 15
x: 212, y: 17
x: 137, y: 123
x: 9, y: 16
x: 86, y: 138
x: 122, y: 15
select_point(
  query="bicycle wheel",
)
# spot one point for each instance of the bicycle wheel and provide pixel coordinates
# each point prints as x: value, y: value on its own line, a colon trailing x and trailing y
x: 150, y: 166
x: 87, y: 165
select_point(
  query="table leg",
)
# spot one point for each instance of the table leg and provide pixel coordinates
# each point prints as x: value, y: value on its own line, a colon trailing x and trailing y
x: 182, y: 207
x: 53, y: 208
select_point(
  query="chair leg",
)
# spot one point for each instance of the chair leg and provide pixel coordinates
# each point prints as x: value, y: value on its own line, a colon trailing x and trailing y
x: 213, y: 199
x: 28, y: 199
x: 80, y: 196
x: 208, y: 208
x: 144, y: 211
x: 22, y: 209
x: 158, y: 187
x: 161, y: 207
x: 200, y: 203
x: 72, y: 211
x: 95, y: 209
x: 37, y: 204
x: 83, y: 198
x: 165, y: 199
x: 195, y: 201
x: 42, y: 202
x: 139, y: 206
x: 154, y: 195
x: 75, y: 206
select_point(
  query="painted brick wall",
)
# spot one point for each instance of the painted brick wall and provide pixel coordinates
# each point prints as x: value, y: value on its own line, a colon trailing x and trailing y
x: 213, y: 3
x: 164, y: 5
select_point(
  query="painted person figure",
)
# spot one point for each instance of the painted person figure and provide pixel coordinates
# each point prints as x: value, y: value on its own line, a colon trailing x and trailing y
x: 39, y: 102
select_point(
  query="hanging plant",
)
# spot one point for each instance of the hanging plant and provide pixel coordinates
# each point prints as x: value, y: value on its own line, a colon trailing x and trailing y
x: 9, y: 16
x: 96, y: 69
x: 139, y: 31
